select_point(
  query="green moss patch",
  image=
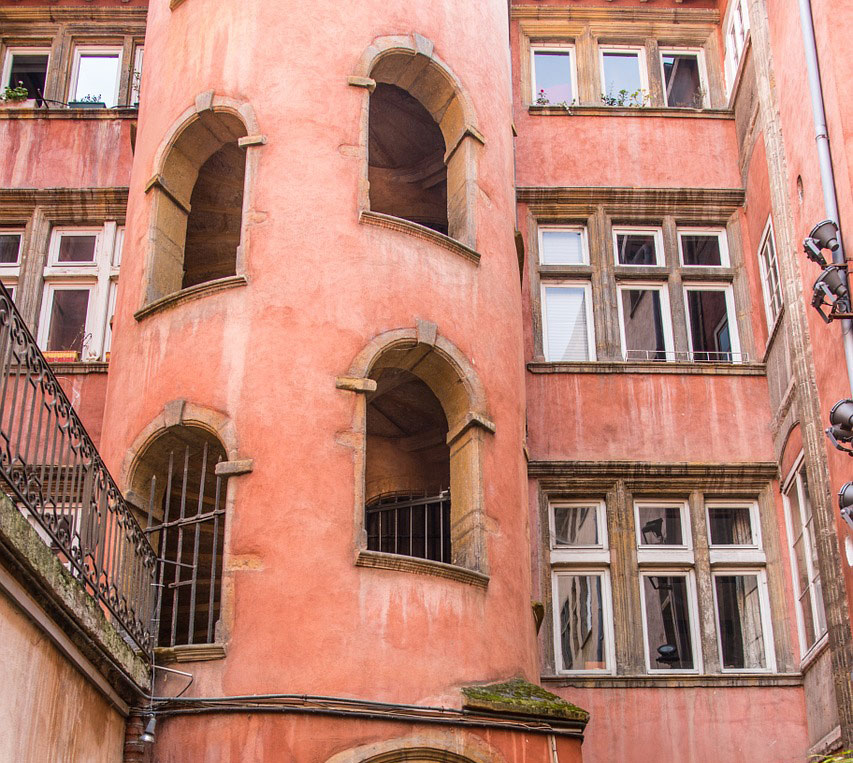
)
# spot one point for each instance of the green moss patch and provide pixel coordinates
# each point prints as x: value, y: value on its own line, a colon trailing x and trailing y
x: 520, y: 696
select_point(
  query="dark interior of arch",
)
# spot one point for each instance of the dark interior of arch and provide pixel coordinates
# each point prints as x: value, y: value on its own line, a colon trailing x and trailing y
x: 215, y: 219
x: 406, y: 170
x: 408, y: 460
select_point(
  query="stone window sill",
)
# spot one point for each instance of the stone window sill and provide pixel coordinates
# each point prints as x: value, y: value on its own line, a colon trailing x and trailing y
x: 390, y: 222
x: 649, y: 367
x: 630, y: 111
x: 382, y: 561
x: 23, y: 112
x: 189, y: 653
x: 680, y: 681
x: 190, y: 294
x: 80, y: 367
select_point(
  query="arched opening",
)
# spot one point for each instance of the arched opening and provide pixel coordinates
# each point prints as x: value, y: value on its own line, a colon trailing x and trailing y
x: 185, y: 521
x: 422, y: 142
x: 198, y: 205
x: 406, y: 170
x: 407, y: 469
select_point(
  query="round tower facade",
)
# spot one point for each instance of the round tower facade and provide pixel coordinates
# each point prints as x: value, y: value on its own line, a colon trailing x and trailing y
x: 320, y: 291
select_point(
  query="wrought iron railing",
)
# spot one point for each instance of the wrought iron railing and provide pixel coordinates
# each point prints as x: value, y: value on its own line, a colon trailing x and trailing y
x: 51, y: 470
x: 401, y: 524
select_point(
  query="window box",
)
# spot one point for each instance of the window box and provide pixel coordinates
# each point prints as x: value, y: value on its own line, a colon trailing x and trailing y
x: 61, y: 356
x: 87, y: 105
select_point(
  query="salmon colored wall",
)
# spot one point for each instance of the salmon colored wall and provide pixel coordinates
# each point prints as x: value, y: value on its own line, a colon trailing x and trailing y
x: 298, y: 614
x: 65, y: 153
x: 42, y: 691
x: 87, y: 393
x: 693, y: 725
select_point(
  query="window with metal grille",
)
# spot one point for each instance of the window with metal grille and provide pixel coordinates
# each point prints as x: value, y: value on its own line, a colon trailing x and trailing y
x: 186, y: 525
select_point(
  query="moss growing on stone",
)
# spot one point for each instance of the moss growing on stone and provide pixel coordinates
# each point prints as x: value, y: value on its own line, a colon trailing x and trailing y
x: 520, y: 696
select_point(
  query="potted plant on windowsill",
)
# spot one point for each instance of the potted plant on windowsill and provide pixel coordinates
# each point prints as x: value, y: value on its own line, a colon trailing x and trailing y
x: 88, y: 102
x: 16, y: 97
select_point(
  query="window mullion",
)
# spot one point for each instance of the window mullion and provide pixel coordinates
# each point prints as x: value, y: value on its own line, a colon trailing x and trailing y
x: 706, y: 614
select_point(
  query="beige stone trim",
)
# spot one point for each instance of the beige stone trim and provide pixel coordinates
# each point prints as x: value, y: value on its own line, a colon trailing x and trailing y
x: 651, y: 367
x: 158, y: 182
x: 615, y: 14
x: 399, y: 563
x: 646, y: 681
x: 365, y: 82
x: 65, y: 205
x: 189, y: 653
x: 355, y: 384
x: 430, y: 745
x: 190, y: 294
x: 235, y: 468
x: 86, y: 13
x: 390, y: 222
x: 646, y: 111
x: 252, y: 140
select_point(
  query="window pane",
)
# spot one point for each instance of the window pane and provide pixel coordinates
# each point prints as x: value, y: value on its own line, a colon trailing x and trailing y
x: 579, y: 598
x: 730, y: 525
x: 566, y: 324
x: 660, y: 526
x: 31, y: 70
x: 576, y: 526
x: 709, y: 325
x: 739, y: 620
x: 561, y: 247
x: 668, y: 622
x: 96, y: 78
x: 10, y: 247
x: 553, y: 77
x: 771, y: 276
x: 642, y: 320
x: 636, y: 249
x: 701, y: 249
x: 77, y: 249
x: 681, y: 80
x: 68, y: 320
x: 621, y: 72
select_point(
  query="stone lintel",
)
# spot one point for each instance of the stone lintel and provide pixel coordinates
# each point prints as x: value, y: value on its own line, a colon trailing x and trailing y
x: 173, y: 413
x: 355, y: 384
x: 252, y: 140
x: 234, y: 468
x: 365, y: 82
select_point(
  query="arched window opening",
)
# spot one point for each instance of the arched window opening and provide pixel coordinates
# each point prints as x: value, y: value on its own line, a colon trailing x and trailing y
x: 406, y: 170
x: 407, y: 469
x: 186, y: 526
x: 216, y: 213
x: 198, y: 205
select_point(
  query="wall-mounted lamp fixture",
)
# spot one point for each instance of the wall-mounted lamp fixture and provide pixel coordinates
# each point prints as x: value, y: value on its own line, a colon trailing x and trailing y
x: 830, y: 289
x: 845, y: 503
x: 825, y: 235
x: 147, y: 736
x: 841, y: 425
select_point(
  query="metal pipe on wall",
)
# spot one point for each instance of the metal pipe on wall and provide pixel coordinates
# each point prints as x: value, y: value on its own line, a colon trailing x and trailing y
x: 827, y: 176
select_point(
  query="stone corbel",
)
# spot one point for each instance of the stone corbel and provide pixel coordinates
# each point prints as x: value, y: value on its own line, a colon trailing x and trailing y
x: 355, y: 384
x: 158, y: 182
x: 472, y: 419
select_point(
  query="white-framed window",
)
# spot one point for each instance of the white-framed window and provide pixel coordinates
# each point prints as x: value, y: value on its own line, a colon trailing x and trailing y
x: 136, y: 75
x: 580, y: 580
x: 624, y: 76
x: 27, y: 67
x: 645, y: 328
x: 662, y: 525
x: 670, y: 622
x: 703, y: 247
x: 95, y: 75
x: 79, y: 289
x: 736, y: 27
x: 563, y: 245
x: 744, y: 628
x: 684, y: 77
x: 711, y: 326
x: 771, y: 285
x: 11, y: 243
x: 811, y: 619
x: 553, y: 74
x: 637, y: 246
x: 733, y: 525
x: 567, y: 323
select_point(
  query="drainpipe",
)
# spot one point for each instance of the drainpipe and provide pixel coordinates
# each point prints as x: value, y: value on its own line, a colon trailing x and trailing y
x: 827, y: 177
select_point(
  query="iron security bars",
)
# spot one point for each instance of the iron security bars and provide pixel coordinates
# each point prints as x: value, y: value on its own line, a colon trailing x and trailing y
x: 52, y: 471
x: 401, y: 524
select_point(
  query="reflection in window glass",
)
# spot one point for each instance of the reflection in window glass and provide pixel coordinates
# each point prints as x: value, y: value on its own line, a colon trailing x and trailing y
x: 30, y: 70
x: 642, y: 321
x: 97, y: 77
x: 553, y: 73
x: 739, y: 622
x: 10, y: 248
x: 636, y: 248
x: 681, y: 80
x: 77, y: 249
x: 701, y: 249
x: 562, y: 247
x: 730, y: 525
x: 670, y: 646
x: 660, y: 526
x: 710, y: 338
x: 621, y: 72
x: 579, y: 599
x: 770, y: 275
x: 68, y: 319
x: 566, y: 323
x: 576, y: 526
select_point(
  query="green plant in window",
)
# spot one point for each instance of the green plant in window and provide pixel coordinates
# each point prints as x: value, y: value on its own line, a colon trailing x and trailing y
x: 90, y: 98
x: 632, y: 99
x: 18, y: 93
x: 542, y: 99
x: 845, y: 756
